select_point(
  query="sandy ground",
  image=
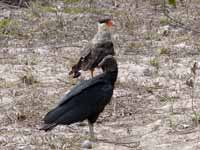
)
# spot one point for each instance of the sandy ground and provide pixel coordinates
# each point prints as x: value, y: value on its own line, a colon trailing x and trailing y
x: 154, y: 106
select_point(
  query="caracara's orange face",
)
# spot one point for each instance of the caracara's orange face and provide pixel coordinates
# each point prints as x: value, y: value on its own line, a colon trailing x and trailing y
x: 109, y: 23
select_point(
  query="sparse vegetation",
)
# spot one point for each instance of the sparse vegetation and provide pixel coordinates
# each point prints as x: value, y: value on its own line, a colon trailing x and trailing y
x: 28, y: 78
x: 135, y: 45
x: 164, y: 21
x: 71, y: 1
x: 157, y: 109
x: 163, y: 51
x: 3, y: 24
x: 8, y: 27
x: 154, y: 62
x: 191, y: 83
x: 196, y: 117
x: 172, y: 2
x: 50, y: 9
x: 172, y: 122
x: 197, y: 45
x: 82, y: 10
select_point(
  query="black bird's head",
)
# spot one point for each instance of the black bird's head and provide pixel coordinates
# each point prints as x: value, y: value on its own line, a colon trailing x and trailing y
x: 108, y: 64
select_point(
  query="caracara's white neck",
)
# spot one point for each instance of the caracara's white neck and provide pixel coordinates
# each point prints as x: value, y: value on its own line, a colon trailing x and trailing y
x: 103, y: 33
x: 102, y: 27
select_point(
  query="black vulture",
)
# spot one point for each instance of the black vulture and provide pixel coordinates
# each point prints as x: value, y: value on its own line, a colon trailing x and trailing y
x: 99, y: 47
x: 86, y: 100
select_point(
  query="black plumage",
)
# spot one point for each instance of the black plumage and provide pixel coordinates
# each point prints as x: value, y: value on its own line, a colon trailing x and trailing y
x: 86, y: 100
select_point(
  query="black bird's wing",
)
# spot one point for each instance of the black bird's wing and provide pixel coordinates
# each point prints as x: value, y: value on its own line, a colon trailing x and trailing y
x: 80, y: 104
x: 80, y: 87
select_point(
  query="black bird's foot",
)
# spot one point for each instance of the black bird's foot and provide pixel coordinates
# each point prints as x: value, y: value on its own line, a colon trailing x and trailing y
x: 86, y: 144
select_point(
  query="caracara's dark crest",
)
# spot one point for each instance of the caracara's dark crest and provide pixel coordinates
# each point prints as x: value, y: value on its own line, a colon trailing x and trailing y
x: 105, y: 20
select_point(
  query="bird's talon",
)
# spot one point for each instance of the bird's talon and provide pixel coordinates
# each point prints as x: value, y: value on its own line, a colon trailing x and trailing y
x: 76, y: 74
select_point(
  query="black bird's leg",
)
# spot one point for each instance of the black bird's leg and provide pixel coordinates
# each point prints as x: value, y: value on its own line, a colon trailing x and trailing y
x: 91, y: 128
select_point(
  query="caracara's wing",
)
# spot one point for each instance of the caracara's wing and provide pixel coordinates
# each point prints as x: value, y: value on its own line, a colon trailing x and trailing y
x: 99, y: 51
x: 92, y: 56
x: 87, y: 50
x: 85, y: 54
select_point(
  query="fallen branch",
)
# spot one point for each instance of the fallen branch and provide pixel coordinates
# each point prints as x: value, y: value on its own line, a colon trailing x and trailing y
x: 179, y: 23
x: 125, y: 144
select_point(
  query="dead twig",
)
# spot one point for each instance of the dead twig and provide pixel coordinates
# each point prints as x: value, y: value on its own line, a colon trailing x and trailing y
x: 4, y: 5
x: 63, y: 81
x: 179, y: 23
x: 125, y: 144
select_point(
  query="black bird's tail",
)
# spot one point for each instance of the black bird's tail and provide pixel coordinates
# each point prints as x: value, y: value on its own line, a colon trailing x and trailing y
x: 51, y: 119
x: 48, y: 127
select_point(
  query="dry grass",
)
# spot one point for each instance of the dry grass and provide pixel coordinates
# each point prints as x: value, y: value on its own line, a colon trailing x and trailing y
x: 153, y: 105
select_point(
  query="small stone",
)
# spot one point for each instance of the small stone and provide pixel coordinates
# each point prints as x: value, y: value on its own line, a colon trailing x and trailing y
x: 147, y: 72
x: 86, y: 145
x: 185, y: 126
